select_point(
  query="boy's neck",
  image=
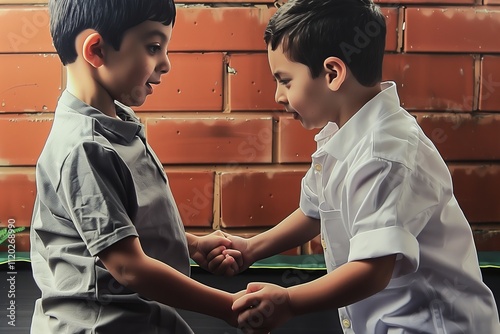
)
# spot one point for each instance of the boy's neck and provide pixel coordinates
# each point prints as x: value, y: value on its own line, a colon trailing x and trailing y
x: 85, y: 88
x: 355, y: 99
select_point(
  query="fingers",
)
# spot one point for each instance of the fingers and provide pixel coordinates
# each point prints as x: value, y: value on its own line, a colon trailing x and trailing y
x: 249, y: 300
x: 255, y: 320
x: 223, y: 265
x: 254, y: 287
x: 264, y: 307
x: 216, y: 252
x: 235, y: 254
x: 221, y: 238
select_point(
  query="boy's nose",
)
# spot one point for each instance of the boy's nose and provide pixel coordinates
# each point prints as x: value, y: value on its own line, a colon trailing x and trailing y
x: 279, y: 97
x: 164, y: 66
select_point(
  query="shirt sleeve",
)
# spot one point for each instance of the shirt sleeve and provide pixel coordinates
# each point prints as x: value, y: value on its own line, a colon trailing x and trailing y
x: 384, y: 211
x: 96, y: 193
x: 308, y: 195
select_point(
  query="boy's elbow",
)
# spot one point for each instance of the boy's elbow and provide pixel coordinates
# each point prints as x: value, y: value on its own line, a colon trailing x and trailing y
x: 384, y: 268
x: 124, y: 261
x: 126, y: 274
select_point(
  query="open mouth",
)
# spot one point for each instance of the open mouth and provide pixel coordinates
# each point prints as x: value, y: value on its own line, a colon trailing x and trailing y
x: 149, y: 86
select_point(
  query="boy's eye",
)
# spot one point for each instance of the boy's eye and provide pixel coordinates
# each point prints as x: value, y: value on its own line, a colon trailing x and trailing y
x: 284, y: 82
x: 154, y: 48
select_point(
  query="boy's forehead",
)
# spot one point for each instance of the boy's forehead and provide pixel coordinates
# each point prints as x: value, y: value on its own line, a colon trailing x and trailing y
x: 278, y: 55
x: 280, y: 64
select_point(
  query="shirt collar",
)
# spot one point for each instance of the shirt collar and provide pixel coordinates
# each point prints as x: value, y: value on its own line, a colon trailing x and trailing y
x: 384, y: 103
x: 126, y: 128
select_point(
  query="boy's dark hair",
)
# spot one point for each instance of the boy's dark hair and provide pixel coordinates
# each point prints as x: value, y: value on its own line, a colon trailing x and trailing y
x: 111, y: 18
x: 312, y: 30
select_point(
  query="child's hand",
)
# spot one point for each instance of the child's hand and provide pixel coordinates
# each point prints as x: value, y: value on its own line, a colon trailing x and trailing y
x: 209, y: 252
x: 237, y: 250
x: 264, y: 307
x: 232, y: 318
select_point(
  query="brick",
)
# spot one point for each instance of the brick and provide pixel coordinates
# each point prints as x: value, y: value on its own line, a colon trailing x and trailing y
x: 453, y: 29
x: 489, y: 91
x: 252, y: 85
x: 239, y: 28
x: 463, y: 137
x: 25, y: 29
x: 22, y: 138
x: 22, y: 242
x: 211, y: 140
x: 18, y: 192
x: 491, y: 2
x: 258, y: 199
x: 220, y: 29
x: 194, y: 196
x: 295, y: 143
x: 477, y: 189
x: 34, y: 82
x: 424, y: 81
x: 194, y: 83
x: 392, y: 28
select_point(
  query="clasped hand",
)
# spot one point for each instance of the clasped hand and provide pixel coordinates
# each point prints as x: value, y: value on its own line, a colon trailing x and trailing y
x: 262, y: 306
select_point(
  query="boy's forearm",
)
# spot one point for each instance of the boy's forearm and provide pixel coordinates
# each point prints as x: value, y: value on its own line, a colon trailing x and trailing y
x: 156, y: 280
x: 345, y: 285
x: 293, y: 231
x: 168, y: 286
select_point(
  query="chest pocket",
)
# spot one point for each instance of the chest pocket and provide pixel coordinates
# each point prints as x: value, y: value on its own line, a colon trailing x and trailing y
x: 334, y: 238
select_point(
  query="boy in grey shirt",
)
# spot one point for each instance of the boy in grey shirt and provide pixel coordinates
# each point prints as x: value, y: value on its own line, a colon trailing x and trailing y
x: 109, y: 251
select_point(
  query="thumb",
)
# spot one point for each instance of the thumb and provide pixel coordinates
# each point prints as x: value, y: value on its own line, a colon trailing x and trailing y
x: 254, y: 287
x: 222, y: 239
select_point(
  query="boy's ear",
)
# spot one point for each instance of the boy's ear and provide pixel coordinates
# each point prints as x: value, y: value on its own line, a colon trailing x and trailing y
x: 336, y: 72
x: 93, y: 49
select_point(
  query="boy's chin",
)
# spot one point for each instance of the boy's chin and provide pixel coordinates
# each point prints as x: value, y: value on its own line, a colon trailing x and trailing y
x: 132, y: 103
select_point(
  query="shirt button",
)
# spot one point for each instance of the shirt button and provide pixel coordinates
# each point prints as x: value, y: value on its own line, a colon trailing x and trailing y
x: 317, y: 167
x: 346, y: 323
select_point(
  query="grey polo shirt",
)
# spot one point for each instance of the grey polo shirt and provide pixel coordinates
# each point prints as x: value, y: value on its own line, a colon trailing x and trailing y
x: 98, y: 181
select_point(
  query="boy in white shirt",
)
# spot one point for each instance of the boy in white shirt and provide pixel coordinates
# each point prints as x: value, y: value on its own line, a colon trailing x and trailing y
x: 398, y: 249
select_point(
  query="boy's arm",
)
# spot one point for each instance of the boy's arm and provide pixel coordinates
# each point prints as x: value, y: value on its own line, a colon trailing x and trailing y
x: 291, y: 232
x: 351, y: 282
x: 155, y: 280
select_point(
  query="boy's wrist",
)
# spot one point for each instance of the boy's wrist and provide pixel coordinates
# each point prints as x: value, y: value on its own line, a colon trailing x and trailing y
x: 294, y: 301
x: 225, y: 312
x: 252, y: 251
x: 192, y: 243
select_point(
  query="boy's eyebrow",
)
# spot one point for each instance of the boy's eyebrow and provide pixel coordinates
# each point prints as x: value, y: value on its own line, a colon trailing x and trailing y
x: 153, y: 33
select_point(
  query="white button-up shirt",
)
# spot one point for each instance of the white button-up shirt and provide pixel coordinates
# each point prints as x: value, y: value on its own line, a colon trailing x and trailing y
x: 380, y: 187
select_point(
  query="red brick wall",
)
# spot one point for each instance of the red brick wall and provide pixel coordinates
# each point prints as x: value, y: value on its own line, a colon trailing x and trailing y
x: 234, y: 160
